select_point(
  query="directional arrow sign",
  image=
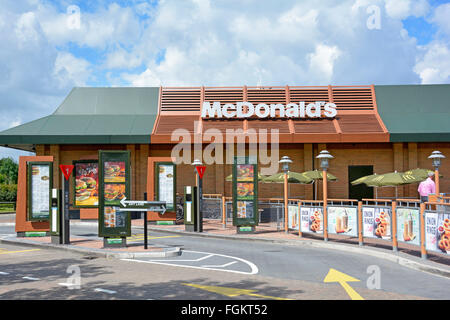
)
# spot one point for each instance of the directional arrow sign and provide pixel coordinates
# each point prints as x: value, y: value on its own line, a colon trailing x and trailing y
x: 337, y: 276
x: 232, y: 292
x: 134, y: 205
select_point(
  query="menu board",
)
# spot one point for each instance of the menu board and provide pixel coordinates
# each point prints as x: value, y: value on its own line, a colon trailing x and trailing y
x: 245, y: 209
x: 245, y: 184
x: 114, y: 218
x: 311, y: 219
x: 377, y: 222
x: 166, y: 183
x: 343, y: 220
x: 114, y: 171
x: 114, y: 185
x: 86, y: 183
x: 293, y: 217
x: 408, y: 224
x: 437, y: 232
x: 39, y: 191
x: 245, y: 172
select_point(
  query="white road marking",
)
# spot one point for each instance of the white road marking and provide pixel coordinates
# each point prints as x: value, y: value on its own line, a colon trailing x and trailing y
x: 105, y: 291
x: 221, y: 266
x: 31, y: 278
x: 253, y: 267
x: 67, y: 284
x: 4, y: 273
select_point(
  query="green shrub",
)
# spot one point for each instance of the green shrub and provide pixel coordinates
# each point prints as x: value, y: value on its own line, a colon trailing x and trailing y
x: 8, y: 192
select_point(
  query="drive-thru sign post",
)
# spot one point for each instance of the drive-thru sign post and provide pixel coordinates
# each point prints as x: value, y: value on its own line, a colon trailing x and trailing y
x: 65, y: 221
x: 143, y: 206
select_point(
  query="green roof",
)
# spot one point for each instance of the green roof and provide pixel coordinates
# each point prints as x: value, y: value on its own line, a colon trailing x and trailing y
x: 415, y: 113
x: 92, y: 116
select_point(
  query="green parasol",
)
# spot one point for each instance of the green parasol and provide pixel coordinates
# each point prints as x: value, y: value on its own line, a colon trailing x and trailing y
x: 420, y: 174
x: 293, y: 177
x: 318, y: 175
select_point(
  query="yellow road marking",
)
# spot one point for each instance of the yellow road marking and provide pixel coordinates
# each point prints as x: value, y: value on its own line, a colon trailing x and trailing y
x: 6, y: 252
x: 232, y: 292
x: 337, y: 276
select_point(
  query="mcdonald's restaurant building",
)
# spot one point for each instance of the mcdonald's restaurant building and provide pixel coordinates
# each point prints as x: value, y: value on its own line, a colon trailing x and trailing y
x: 368, y: 129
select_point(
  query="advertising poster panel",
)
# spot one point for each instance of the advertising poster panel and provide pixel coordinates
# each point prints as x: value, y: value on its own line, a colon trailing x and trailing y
x: 293, y: 217
x: 39, y: 188
x: 245, y: 193
x: 311, y: 219
x: 166, y: 184
x: 377, y: 222
x: 437, y: 232
x: 85, y: 189
x: 113, y: 186
x: 408, y: 225
x: 343, y: 220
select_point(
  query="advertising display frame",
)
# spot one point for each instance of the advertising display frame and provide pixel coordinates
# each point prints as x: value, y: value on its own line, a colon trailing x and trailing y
x: 374, y: 236
x: 174, y: 186
x: 429, y: 245
x: 113, y: 156
x: 399, y: 224
x: 74, y: 173
x: 330, y: 225
x: 245, y: 222
x: 30, y: 191
x: 309, y: 207
x: 293, y: 210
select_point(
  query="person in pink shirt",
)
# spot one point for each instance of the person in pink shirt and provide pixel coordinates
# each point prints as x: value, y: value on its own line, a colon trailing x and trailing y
x: 426, y: 187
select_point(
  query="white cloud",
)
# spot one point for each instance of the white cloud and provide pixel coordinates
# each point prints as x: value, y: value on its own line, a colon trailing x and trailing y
x: 71, y: 69
x: 434, y: 67
x: 401, y: 9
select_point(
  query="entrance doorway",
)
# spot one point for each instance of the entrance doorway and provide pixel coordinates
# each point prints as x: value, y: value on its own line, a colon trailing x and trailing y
x: 359, y: 191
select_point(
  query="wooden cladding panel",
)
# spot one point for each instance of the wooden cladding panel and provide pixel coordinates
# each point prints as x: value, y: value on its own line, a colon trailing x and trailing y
x: 359, y: 123
x: 314, y: 126
x: 222, y: 125
x: 281, y: 126
x: 180, y: 99
x: 167, y: 124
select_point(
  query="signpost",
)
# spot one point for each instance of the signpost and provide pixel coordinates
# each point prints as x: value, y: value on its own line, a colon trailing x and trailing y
x: 144, y: 206
x: 65, y: 221
x: 200, y: 171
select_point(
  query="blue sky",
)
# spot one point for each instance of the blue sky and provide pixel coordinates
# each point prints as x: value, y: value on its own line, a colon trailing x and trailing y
x: 47, y: 49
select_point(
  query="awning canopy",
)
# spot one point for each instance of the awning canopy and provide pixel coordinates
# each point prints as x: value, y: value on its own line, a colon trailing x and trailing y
x: 91, y: 116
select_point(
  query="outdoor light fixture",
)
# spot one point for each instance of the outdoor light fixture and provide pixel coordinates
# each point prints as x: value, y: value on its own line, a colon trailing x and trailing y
x: 436, y: 156
x: 324, y: 155
x: 285, y: 161
x: 197, y: 163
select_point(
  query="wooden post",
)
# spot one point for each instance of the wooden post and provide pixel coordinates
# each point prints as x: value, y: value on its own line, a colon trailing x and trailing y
x: 286, y: 202
x: 360, y: 224
x: 325, y: 214
x: 423, y: 251
x: 394, y: 227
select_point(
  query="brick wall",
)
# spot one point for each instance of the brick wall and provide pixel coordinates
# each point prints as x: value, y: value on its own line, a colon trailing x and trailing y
x: 385, y: 157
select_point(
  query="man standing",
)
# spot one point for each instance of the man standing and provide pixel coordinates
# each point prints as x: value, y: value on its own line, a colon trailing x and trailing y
x: 426, y: 187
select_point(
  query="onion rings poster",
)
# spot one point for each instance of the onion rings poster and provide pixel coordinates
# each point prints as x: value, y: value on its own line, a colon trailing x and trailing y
x: 437, y: 232
x: 311, y: 219
x: 86, y: 184
x: 377, y: 222
x: 408, y: 223
x: 343, y: 220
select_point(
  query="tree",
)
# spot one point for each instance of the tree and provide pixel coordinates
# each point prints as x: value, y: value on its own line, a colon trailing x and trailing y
x: 10, y: 170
